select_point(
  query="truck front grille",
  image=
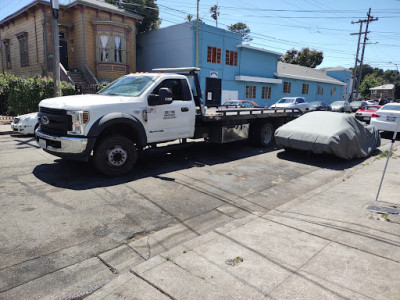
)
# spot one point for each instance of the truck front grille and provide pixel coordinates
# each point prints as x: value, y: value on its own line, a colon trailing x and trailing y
x: 58, y: 121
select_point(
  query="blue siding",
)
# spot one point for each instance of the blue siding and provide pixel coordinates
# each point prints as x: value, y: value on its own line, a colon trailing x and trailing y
x: 165, y: 48
x: 175, y: 46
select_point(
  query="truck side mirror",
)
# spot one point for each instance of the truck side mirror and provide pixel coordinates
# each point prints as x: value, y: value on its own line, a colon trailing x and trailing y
x: 165, y: 95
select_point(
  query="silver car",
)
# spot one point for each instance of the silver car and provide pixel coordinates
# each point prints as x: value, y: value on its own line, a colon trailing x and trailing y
x: 292, y: 102
x: 341, y: 106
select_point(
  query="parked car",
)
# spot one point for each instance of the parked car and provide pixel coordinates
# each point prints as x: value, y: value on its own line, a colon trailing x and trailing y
x: 365, y: 113
x: 387, y: 118
x: 292, y: 102
x: 341, y: 106
x: 373, y: 102
x: 240, y: 104
x: 25, y: 124
x: 355, y: 105
x: 324, y: 132
x: 319, y: 105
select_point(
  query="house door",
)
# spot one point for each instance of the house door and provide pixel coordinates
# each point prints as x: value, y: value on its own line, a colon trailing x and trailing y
x: 213, y: 91
x: 64, y: 54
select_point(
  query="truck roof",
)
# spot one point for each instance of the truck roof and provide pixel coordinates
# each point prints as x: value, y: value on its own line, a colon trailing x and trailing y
x: 178, y: 70
x: 174, y: 75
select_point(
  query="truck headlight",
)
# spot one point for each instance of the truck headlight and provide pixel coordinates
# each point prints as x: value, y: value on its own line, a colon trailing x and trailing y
x: 78, y: 121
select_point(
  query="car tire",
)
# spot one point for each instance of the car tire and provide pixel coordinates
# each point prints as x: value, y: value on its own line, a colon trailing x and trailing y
x: 115, y: 155
x: 34, y: 130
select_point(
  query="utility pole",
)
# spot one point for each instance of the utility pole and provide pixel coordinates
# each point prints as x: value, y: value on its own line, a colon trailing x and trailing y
x: 359, y: 75
x: 197, y: 35
x: 56, y: 47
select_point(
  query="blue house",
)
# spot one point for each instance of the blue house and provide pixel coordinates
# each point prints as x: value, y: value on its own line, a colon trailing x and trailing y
x: 233, y: 70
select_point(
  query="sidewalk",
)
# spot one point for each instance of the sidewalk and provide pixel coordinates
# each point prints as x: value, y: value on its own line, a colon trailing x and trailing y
x: 323, y: 245
x: 5, y: 122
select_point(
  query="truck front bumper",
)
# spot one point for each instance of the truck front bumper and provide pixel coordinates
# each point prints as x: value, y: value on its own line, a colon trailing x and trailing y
x: 62, y: 146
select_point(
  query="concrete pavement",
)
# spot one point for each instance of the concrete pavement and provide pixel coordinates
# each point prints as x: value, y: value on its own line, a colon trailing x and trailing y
x: 325, y: 244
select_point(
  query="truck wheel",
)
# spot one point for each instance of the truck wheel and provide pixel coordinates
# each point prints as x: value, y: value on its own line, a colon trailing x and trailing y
x: 115, y: 155
x: 263, y: 135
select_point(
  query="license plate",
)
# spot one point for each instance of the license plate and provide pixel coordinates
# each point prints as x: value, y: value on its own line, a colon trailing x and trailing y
x: 42, y: 143
x: 366, y: 118
x: 391, y: 119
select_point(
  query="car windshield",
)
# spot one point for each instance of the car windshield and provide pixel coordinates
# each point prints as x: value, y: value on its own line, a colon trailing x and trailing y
x: 235, y: 103
x: 338, y: 103
x: 315, y: 103
x: 355, y: 103
x: 286, y: 100
x: 371, y: 107
x: 131, y: 86
x: 390, y: 107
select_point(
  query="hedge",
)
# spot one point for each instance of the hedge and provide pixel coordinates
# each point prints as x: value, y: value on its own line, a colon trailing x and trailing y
x: 24, y: 94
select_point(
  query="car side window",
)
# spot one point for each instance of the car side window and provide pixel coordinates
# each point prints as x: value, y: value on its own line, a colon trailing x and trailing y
x: 300, y: 100
x: 178, y: 87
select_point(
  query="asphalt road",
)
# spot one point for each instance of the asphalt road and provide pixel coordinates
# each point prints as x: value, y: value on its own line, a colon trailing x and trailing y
x: 58, y: 217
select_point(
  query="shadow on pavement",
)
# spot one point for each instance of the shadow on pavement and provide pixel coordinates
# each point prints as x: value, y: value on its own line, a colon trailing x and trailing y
x: 326, y: 161
x: 158, y: 161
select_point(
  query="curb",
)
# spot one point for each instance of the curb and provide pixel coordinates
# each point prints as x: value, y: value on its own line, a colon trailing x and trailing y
x: 6, y: 132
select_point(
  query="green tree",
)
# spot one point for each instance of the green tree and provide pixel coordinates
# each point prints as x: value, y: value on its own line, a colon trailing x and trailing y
x: 214, y: 11
x: 146, y: 8
x: 241, y: 29
x: 305, y: 57
x: 189, y: 17
x: 370, y: 81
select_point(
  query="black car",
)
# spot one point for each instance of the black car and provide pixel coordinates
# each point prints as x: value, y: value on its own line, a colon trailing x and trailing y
x: 319, y: 105
x: 356, y: 105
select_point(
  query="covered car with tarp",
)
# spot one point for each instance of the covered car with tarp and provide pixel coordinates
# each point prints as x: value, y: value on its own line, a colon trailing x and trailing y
x: 328, y: 132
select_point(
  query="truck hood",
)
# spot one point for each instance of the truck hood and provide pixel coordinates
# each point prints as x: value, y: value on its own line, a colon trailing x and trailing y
x: 84, y: 102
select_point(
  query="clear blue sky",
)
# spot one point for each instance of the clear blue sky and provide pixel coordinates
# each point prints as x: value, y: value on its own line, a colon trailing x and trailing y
x: 285, y: 24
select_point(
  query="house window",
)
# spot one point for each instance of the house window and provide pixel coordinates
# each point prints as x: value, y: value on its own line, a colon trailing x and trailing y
x: 320, y: 90
x: 111, y: 48
x: 304, y: 90
x: 250, y: 91
x: 266, y: 92
x: 214, y: 55
x: 6, y: 43
x: 23, y: 48
x: 333, y: 91
x: 231, y: 58
x: 287, y: 86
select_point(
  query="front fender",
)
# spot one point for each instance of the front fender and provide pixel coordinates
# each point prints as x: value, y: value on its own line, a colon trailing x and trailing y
x: 119, y: 118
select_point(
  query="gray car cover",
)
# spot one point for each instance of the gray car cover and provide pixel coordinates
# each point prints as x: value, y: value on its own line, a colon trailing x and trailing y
x: 329, y: 132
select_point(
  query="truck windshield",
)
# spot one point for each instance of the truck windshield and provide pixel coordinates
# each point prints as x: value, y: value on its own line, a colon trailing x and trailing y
x: 130, y: 86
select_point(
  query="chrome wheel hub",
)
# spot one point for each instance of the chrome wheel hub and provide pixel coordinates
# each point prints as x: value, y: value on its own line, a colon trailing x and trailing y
x: 117, y: 156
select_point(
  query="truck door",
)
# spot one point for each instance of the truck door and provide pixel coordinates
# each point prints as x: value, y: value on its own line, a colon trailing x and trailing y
x: 173, y: 120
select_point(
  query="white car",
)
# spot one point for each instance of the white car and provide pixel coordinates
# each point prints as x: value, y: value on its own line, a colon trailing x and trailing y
x: 292, y: 102
x: 25, y: 124
x: 387, y: 118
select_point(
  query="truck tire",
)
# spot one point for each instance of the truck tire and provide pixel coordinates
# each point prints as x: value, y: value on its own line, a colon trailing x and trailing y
x: 264, y: 135
x: 115, y: 155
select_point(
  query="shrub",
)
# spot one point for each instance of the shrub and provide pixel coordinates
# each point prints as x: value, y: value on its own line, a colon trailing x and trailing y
x: 23, y: 95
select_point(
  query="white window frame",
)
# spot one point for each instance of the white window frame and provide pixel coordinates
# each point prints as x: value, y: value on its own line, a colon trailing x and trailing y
x: 251, y: 92
x: 266, y: 92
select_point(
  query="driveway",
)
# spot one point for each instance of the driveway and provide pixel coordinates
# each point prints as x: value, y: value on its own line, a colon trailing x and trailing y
x: 58, y: 217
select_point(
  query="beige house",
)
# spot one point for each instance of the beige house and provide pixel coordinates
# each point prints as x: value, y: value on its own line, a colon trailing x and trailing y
x: 384, y: 92
x: 97, y: 41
